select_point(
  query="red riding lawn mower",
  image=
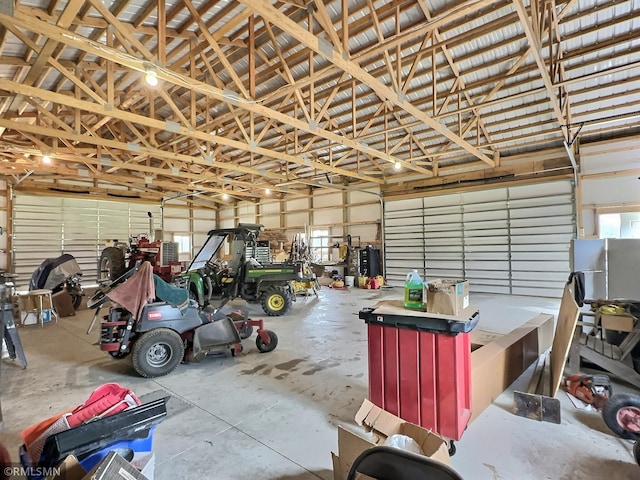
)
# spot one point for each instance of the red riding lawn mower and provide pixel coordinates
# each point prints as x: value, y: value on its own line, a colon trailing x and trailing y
x: 119, y: 257
x: 159, y: 326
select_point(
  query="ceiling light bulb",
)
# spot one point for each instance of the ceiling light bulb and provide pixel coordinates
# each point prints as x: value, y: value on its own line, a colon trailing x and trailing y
x: 267, y: 191
x: 397, y: 166
x: 46, y: 159
x: 225, y: 197
x: 151, y: 78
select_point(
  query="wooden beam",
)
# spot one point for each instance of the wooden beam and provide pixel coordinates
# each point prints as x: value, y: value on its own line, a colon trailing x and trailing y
x: 152, y: 123
x: 271, y: 14
x: 188, y: 83
x: 535, y: 50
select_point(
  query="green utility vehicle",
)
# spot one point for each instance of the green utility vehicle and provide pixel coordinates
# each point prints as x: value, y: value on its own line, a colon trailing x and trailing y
x: 209, y: 280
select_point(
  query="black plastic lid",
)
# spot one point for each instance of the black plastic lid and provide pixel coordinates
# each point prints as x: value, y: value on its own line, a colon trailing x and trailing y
x: 426, y: 322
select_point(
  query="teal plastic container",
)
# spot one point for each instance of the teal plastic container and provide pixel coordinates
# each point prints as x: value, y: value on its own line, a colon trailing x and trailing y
x: 413, y: 288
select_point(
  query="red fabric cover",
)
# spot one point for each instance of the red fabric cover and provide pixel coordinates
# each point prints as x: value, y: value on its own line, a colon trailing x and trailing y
x: 106, y: 400
x: 135, y: 292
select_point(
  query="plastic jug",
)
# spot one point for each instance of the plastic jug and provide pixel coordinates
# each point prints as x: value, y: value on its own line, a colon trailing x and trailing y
x: 413, y: 287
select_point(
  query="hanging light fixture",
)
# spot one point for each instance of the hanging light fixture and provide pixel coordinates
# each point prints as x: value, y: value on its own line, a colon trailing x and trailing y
x: 397, y: 165
x: 46, y: 159
x: 151, y: 77
x: 225, y: 197
x: 267, y: 191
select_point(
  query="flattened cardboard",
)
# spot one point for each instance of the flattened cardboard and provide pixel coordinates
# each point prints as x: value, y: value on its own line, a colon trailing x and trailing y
x: 447, y: 296
x: 382, y: 424
x: 565, y: 327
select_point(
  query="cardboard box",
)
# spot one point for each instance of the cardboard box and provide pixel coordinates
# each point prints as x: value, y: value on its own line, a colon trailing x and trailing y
x: 381, y: 424
x: 69, y: 469
x: 503, y: 358
x: 448, y: 297
x: 619, y: 323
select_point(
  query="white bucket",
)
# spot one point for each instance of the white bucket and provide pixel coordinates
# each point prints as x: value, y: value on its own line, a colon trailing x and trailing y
x: 348, y: 281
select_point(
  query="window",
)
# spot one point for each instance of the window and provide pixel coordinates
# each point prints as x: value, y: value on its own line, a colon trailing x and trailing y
x: 319, y: 245
x: 619, y: 225
x: 184, y: 243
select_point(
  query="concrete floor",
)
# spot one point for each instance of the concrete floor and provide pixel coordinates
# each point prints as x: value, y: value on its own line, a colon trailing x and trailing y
x: 274, y: 415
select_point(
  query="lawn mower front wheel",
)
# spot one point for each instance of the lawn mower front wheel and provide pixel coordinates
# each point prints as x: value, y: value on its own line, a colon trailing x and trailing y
x: 157, y: 353
x: 267, y: 347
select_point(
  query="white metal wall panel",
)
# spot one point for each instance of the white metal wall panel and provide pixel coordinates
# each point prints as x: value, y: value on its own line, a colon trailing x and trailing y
x: 359, y: 196
x: 404, y: 238
x: 327, y: 217
x: 297, y: 204
x: 80, y: 231
x: 270, y: 221
x: 365, y: 213
x: 227, y: 219
x: 202, y: 225
x: 541, y: 214
x: 327, y: 200
x: 270, y: 207
x: 296, y: 220
x: 367, y: 233
x: 46, y: 227
x: 512, y: 240
x: 246, y: 212
x: 37, y: 234
x: 175, y: 218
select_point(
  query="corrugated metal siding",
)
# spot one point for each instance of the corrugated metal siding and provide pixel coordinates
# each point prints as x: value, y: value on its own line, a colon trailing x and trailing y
x: 512, y: 240
x: 46, y: 227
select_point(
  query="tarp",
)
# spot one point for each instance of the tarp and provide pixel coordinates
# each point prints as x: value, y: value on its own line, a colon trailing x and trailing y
x: 54, y: 271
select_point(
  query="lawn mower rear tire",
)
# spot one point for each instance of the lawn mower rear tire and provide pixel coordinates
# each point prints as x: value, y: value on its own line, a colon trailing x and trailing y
x: 157, y: 352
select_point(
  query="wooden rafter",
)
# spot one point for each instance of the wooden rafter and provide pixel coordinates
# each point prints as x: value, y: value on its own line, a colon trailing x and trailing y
x: 280, y: 95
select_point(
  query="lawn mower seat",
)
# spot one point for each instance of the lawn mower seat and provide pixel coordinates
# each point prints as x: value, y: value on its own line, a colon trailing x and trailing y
x: 389, y: 463
x: 173, y: 295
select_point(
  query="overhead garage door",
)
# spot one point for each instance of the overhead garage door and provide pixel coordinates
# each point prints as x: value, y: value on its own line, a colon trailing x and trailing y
x: 47, y: 227
x: 512, y: 240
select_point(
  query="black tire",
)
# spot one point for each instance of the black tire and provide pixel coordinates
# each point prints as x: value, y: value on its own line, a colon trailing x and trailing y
x: 77, y: 301
x: 636, y: 451
x: 619, y: 407
x: 276, y: 301
x: 245, y: 332
x: 271, y: 346
x: 111, y: 264
x: 157, y: 353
